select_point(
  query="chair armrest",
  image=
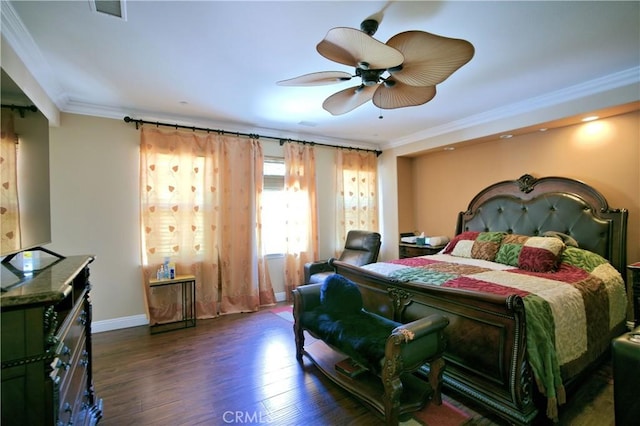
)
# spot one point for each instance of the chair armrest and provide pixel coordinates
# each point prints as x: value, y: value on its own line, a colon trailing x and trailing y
x: 418, y: 341
x: 306, y: 298
x: 315, y: 268
x: 424, y: 326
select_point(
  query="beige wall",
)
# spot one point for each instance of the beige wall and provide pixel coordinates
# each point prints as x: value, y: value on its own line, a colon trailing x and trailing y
x: 94, y: 166
x: 94, y: 192
x: 604, y: 154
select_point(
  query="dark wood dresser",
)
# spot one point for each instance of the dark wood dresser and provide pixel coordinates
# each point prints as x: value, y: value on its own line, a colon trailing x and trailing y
x: 46, y: 347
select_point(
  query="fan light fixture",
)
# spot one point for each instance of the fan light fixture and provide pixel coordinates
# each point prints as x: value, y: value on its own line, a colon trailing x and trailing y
x: 403, y: 72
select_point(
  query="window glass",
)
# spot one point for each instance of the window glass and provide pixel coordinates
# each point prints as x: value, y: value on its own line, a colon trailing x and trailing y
x: 174, y: 198
x: 273, y: 201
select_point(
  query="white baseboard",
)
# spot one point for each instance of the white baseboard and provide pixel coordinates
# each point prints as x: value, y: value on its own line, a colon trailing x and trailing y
x: 138, y: 320
x: 118, y: 323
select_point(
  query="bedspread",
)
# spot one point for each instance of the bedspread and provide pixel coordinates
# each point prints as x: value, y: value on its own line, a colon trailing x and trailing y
x: 570, y: 312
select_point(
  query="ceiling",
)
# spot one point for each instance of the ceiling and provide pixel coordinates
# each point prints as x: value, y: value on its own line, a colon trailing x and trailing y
x: 216, y: 63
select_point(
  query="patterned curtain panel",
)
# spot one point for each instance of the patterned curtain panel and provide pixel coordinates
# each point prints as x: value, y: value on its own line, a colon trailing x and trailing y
x: 301, y: 213
x: 9, y: 206
x: 199, y: 208
x: 357, y: 188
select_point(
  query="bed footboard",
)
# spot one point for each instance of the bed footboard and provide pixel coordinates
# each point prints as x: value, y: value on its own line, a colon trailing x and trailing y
x: 485, y: 354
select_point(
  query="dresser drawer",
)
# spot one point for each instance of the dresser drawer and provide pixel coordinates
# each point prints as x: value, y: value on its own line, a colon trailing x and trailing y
x: 67, y: 361
x: 71, y: 346
x: 73, y: 327
x: 73, y: 393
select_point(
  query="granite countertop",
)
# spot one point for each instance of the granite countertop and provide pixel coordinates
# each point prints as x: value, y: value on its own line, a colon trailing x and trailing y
x: 48, y: 285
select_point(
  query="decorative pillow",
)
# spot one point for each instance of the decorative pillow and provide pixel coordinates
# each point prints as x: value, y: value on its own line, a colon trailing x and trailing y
x: 582, y: 259
x: 509, y: 251
x: 568, y: 240
x: 340, y: 295
x: 535, y: 254
x: 540, y: 254
x: 476, y: 245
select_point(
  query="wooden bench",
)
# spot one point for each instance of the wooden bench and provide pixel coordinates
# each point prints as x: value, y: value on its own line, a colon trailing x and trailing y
x: 388, y: 351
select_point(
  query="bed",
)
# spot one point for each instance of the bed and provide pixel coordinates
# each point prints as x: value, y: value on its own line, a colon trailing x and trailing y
x: 530, y: 313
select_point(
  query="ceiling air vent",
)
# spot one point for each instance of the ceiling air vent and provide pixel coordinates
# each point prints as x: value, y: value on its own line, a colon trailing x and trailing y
x: 110, y: 7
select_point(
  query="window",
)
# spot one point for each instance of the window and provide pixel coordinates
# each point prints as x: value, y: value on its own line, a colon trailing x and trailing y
x: 173, y: 199
x: 273, y: 201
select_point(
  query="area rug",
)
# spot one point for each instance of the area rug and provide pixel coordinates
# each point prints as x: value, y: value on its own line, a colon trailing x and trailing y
x: 438, y: 415
x: 431, y: 415
x: 284, y: 312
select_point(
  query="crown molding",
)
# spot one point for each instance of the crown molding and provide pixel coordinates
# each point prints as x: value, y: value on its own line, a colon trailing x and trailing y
x: 593, y: 87
x: 19, y: 38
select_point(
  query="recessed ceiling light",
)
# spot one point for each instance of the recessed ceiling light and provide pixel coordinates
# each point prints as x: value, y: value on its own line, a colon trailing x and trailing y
x: 590, y: 118
x: 449, y: 148
x: 544, y: 129
x: 505, y: 136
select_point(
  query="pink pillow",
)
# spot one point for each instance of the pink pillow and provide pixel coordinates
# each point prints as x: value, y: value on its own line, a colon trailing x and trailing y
x: 540, y: 254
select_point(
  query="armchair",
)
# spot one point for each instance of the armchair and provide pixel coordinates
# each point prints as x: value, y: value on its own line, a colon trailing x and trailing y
x: 360, y: 248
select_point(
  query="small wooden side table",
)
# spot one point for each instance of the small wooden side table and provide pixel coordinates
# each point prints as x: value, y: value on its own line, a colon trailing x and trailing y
x: 633, y: 290
x: 413, y: 250
x: 188, y: 292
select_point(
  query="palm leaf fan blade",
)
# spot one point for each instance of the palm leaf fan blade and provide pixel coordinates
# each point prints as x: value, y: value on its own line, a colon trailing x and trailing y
x: 429, y: 58
x: 317, y: 79
x: 352, y: 47
x: 401, y: 95
x: 349, y: 99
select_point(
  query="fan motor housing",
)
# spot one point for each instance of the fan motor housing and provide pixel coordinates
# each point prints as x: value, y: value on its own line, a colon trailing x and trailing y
x: 369, y: 26
x: 369, y: 77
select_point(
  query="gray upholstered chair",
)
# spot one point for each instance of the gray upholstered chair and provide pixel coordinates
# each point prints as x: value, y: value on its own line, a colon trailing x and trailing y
x: 360, y: 248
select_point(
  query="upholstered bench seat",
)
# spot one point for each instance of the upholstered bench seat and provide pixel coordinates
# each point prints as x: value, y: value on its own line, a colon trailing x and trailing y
x: 360, y: 335
x: 334, y: 313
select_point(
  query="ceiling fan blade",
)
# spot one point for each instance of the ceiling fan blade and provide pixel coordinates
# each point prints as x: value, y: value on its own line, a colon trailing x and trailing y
x: 349, y: 99
x: 352, y: 47
x: 401, y: 95
x: 429, y: 58
x: 317, y: 79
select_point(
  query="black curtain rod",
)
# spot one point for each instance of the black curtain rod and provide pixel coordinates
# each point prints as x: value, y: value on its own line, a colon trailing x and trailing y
x: 21, y: 108
x: 249, y: 135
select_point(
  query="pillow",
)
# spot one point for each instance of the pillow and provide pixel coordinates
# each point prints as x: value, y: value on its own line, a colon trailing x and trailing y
x: 340, y: 295
x: 475, y: 245
x: 582, y: 259
x: 568, y: 240
x: 540, y: 254
x: 509, y: 251
x: 535, y: 254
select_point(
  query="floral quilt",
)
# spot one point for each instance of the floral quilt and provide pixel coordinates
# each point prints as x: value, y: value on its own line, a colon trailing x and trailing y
x: 570, y: 311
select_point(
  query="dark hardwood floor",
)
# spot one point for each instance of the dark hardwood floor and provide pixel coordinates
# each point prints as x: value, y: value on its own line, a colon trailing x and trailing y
x: 241, y: 369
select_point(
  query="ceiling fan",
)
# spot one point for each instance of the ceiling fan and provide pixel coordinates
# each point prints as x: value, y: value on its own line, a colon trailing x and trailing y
x: 403, y: 72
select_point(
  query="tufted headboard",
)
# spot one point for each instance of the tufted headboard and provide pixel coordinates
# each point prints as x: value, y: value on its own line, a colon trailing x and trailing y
x: 531, y: 206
